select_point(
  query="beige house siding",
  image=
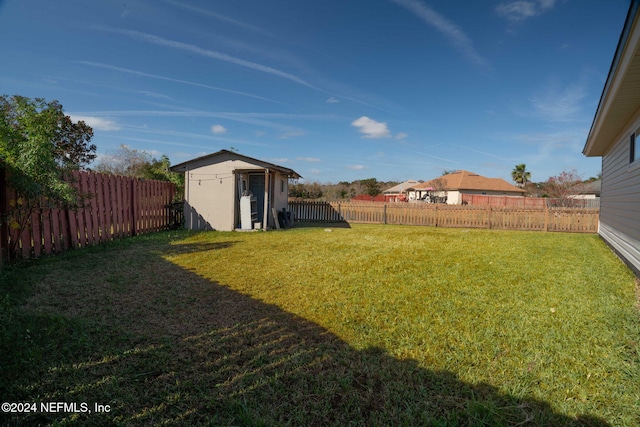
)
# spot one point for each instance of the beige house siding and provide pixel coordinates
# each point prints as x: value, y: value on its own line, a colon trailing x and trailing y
x: 620, y: 198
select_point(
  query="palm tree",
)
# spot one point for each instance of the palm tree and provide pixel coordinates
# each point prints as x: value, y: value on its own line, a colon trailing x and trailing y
x: 520, y: 175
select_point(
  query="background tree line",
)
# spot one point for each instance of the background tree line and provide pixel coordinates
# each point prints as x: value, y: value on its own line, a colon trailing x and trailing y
x: 340, y: 191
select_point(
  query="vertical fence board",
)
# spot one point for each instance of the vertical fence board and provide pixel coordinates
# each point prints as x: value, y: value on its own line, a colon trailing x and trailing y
x: 25, y: 241
x: 118, y: 206
x: 46, y: 231
x: 100, y: 207
x: 37, y: 233
x: 95, y: 224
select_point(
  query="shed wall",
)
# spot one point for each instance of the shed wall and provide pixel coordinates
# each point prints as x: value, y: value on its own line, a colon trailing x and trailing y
x: 209, y: 197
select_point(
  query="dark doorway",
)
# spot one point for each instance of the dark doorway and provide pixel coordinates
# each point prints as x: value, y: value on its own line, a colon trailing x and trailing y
x: 256, y: 187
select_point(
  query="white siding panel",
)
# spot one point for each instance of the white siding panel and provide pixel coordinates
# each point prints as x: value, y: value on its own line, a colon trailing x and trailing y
x: 620, y: 200
x: 626, y: 246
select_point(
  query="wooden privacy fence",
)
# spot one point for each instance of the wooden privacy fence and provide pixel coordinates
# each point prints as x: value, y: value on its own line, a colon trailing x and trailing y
x: 112, y: 206
x: 442, y: 215
x: 529, y: 202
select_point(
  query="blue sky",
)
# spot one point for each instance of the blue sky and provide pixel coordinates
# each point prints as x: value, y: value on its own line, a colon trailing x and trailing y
x: 337, y: 90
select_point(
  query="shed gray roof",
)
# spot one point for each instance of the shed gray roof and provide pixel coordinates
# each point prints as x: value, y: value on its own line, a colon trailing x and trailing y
x: 184, y: 166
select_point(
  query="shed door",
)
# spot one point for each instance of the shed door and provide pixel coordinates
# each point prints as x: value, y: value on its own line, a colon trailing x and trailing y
x: 256, y: 186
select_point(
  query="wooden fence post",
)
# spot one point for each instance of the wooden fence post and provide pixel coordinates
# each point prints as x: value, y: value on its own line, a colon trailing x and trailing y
x: 436, y: 215
x: 546, y: 217
x: 384, y: 214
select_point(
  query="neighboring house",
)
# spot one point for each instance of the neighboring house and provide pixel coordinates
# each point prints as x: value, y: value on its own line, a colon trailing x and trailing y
x: 589, y: 190
x: 615, y: 135
x: 455, y: 184
x: 402, y: 192
x: 215, y: 183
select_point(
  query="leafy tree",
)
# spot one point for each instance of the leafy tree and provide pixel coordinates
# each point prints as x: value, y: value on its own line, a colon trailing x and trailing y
x: 520, y: 175
x: 39, y: 147
x: 372, y: 186
x: 159, y: 170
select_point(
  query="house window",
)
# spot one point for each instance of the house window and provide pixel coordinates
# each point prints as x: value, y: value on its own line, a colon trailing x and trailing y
x: 634, y: 150
x: 282, y: 186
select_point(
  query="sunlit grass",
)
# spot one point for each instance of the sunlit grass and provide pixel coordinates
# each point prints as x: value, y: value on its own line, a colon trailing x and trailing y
x: 369, y: 325
x: 548, y: 316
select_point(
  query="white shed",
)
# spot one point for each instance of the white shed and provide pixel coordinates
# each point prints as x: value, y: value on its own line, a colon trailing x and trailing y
x: 216, y: 183
x: 615, y: 135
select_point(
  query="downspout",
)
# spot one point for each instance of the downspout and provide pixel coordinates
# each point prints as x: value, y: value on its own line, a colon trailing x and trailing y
x: 186, y: 209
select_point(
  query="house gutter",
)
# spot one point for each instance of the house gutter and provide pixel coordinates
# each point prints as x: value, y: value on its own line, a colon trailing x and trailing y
x: 622, y: 42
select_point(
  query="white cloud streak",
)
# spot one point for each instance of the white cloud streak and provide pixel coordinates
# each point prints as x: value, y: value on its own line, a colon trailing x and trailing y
x: 520, y: 10
x: 170, y: 79
x: 560, y: 105
x: 219, y: 17
x: 160, y: 41
x: 451, y: 31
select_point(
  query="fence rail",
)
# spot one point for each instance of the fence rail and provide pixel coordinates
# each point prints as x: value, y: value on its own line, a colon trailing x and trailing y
x: 112, y: 207
x: 582, y: 220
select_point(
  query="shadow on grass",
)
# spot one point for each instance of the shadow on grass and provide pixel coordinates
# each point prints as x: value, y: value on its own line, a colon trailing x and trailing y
x: 178, y: 349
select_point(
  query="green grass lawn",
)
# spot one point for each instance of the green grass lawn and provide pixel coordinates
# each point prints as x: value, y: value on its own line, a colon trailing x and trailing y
x: 368, y: 325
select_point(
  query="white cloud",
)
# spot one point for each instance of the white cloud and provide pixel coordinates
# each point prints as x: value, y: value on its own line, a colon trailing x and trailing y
x: 308, y: 159
x: 371, y: 129
x: 401, y: 135
x: 97, y: 123
x: 522, y: 9
x: 291, y: 134
x: 218, y: 129
x: 450, y: 30
x: 332, y: 100
x: 356, y: 167
x: 560, y: 105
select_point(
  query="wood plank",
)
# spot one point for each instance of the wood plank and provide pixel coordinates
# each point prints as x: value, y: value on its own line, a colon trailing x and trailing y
x: 118, y: 206
x: 36, y: 233
x: 46, y: 231
x: 93, y: 191
x: 100, y: 208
